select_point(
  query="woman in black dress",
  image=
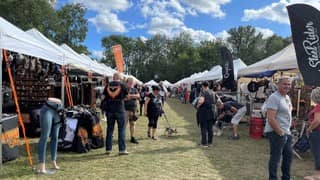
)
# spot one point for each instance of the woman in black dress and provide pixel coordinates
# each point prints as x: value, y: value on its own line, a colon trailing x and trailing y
x: 153, y: 109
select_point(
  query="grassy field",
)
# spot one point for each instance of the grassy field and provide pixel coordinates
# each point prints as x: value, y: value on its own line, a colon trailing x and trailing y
x: 176, y: 157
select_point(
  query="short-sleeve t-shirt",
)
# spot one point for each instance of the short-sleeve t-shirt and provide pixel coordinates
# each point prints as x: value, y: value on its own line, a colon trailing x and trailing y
x: 115, y: 94
x: 154, y: 105
x: 283, y: 106
x: 131, y: 104
x: 316, y: 109
x: 229, y: 104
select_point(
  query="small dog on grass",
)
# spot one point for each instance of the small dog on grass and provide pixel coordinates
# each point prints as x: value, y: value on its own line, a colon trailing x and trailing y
x: 170, y: 131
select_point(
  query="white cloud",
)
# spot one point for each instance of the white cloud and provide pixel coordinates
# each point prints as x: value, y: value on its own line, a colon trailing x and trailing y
x: 223, y: 35
x: 266, y: 33
x: 276, y: 12
x: 143, y: 38
x: 97, y: 54
x: 199, y: 35
x: 207, y: 6
x: 167, y: 17
x: 106, y: 18
x: 108, y: 22
x: 164, y: 25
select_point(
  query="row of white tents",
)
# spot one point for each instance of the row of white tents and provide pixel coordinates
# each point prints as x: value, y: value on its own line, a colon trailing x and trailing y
x: 285, y: 59
x: 215, y: 73
x: 166, y: 83
x: 34, y: 43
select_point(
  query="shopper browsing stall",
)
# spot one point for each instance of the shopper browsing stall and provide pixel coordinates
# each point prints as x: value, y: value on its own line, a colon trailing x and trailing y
x: 153, y: 110
x: 131, y: 107
x: 206, y: 114
x: 115, y: 94
x: 236, y: 110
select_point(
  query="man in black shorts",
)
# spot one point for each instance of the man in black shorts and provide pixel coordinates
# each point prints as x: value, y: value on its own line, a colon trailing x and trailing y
x: 131, y: 107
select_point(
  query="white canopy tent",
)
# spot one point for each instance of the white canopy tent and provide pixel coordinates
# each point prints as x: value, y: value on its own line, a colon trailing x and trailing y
x: 14, y: 39
x: 99, y: 67
x: 193, y: 77
x: 282, y: 60
x: 238, y: 64
x: 134, y: 78
x: 80, y: 60
x: 214, y: 74
x: 167, y: 83
x: 151, y: 83
x: 67, y: 58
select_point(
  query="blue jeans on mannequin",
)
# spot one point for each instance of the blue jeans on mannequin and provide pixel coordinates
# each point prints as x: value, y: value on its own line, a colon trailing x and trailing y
x: 111, y: 119
x: 48, y: 118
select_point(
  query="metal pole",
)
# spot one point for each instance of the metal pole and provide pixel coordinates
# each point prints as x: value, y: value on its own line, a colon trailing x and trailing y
x: 1, y: 96
x: 62, y: 84
x: 298, y: 103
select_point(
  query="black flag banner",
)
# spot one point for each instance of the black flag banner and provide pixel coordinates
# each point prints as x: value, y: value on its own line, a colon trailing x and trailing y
x: 227, y: 70
x: 305, y: 26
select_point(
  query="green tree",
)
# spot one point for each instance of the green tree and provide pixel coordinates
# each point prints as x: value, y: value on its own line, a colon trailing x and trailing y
x: 73, y: 27
x: 127, y: 45
x: 246, y: 44
x: 28, y: 14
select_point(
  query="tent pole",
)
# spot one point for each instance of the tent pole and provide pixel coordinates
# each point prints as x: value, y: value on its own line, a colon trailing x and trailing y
x: 62, y: 85
x: 1, y: 96
x: 298, y: 103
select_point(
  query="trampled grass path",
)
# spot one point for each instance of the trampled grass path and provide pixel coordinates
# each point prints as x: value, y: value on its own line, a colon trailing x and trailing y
x: 176, y: 157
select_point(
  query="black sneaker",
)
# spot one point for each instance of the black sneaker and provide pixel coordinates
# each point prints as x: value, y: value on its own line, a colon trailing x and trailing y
x: 134, y: 141
x: 154, y: 138
x: 107, y: 153
x: 233, y: 137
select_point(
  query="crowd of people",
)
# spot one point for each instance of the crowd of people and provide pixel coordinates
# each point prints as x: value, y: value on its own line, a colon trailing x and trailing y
x: 211, y: 108
x: 121, y: 102
x: 120, y: 105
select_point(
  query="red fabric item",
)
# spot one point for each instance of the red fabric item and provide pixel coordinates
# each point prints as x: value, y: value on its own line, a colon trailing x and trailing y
x: 311, y: 115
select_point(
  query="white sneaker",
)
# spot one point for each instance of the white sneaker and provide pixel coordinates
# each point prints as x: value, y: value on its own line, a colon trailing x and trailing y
x: 122, y: 153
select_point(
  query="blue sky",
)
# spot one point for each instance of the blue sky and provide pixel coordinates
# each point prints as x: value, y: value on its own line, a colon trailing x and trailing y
x: 203, y: 19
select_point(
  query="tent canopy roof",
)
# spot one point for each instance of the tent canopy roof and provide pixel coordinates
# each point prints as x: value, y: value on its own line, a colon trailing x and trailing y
x: 282, y: 60
x: 14, y: 39
x: 151, y: 83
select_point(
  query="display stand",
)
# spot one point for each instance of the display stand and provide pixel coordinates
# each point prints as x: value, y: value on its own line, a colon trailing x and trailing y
x: 1, y: 96
x: 20, y: 120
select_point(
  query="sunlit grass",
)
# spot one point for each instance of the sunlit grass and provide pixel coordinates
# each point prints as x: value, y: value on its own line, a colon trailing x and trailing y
x: 176, y: 157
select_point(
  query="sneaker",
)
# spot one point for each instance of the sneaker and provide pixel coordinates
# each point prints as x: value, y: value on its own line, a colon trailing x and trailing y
x: 134, y: 141
x: 46, y: 172
x: 107, y: 153
x: 123, y: 153
x: 233, y: 137
x: 203, y: 145
x: 154, y: 138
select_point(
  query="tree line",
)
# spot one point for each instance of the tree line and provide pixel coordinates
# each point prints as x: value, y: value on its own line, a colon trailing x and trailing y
x: 179, y: 57
x: 64, y: 25
x: 158, y: 57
